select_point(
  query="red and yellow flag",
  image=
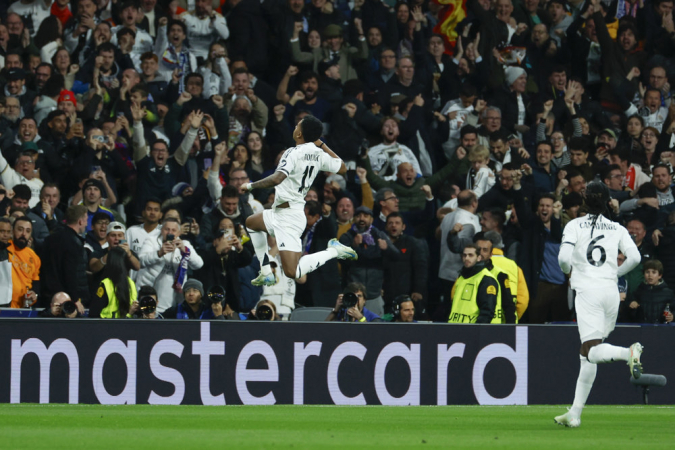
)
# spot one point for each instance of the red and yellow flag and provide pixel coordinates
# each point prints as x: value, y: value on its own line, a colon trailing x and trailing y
x: 451, y: 14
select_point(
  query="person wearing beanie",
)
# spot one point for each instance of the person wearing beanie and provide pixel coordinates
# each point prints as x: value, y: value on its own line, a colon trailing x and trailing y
x: 512, y: 100
x: 193, y: 307
x: 67, y: 102
x: 92, y: 197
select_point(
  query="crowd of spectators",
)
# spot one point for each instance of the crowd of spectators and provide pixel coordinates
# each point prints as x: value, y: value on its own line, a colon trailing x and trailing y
x: 128, y: 127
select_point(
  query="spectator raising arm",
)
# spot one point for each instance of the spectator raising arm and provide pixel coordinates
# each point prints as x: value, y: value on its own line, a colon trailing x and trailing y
x: 183, y: 151
x: 141, y: 149
x: 215, y: 188
x: 282, y: 96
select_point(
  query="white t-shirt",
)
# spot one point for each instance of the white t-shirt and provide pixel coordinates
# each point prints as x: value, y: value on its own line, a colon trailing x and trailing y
x: 595, y: 250
x: 36, y: 10
x: 135, y: 236
x: 301, y: 165
x: 10, y: 178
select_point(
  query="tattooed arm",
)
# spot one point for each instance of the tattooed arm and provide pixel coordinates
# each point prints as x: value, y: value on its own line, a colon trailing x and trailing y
x: 271, y: 181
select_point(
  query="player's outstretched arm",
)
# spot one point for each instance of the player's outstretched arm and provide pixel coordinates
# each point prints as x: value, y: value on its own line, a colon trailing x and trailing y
x: 322, y: 145
x: 271, y: 181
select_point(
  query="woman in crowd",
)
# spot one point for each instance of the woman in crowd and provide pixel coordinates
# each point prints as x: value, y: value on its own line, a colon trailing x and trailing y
x: 116, y: 295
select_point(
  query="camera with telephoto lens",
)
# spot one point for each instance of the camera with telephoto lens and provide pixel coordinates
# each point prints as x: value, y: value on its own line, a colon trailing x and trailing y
x: 68, y: 308
x: 147, y: 305
x: 215, y: 295
x: 349, y: 300
x: 264, y: 312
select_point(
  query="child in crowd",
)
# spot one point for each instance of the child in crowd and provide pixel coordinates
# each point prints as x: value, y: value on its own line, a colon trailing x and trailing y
x: 480, y: 177
x: 653, y: 301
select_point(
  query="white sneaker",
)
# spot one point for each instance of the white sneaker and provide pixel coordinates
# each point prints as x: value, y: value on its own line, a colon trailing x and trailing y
x: 265, y: 280
x: 343, y: 251
x: 568, y: 420
x: 634, y: 362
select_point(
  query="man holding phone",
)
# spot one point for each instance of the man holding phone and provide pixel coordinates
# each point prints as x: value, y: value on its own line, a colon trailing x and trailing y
x: 102, y: 162
x: 115, y: 237
x: 164, y: 264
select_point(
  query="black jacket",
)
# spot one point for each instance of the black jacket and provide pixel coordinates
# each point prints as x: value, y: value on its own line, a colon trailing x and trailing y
x: 531, y: 255
x: 331, y: 91
x: 406, y: 272
x: 507, y: 102
x: 414, y: 123
x: 665, y: 252
x: 369, y: 268
x: 222, y: 270
x: 249, y: 35
x: 652, y: 301
x: 64, y: 267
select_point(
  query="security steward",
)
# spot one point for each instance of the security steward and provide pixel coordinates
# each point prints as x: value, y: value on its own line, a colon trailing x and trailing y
x: 506, y: 307
x: 476, y: 291
x: 517, y: 283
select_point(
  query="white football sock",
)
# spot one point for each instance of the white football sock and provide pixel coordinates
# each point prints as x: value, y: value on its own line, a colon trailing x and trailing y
x: 259, y: 241
x: 605, y: 353
x: 309, y: 263
x: 587, y: 371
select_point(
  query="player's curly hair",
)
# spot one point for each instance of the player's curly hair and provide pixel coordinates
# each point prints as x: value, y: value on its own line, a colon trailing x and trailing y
x: 596, y: 197
x: 311, y: 128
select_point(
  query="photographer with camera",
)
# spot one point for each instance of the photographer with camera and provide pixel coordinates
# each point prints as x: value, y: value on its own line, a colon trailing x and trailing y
x: 264, y: 310
x: 61, y: 307
x: 350, y: 306
x: 146, y: 306
x: 222, y: 310
x: 195, y: 306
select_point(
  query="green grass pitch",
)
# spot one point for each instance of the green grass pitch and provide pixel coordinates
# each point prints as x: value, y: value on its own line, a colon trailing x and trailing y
x: 187, y: 427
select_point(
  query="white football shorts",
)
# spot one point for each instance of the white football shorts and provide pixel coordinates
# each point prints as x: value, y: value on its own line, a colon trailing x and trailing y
x: 597, y: 309
x: 287, y: 226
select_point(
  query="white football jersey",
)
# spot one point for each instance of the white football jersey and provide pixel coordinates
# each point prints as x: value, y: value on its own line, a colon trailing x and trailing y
x: 135, y: 236
x: 594, y: 259
x: 301, y: 165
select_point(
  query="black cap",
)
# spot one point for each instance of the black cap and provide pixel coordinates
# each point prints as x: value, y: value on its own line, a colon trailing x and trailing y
x: 15, y: 74
x: 364, y: 210
x: 93, y: 182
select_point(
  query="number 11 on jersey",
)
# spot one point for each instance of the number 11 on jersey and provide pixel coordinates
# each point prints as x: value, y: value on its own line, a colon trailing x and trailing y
x: 309, y: 170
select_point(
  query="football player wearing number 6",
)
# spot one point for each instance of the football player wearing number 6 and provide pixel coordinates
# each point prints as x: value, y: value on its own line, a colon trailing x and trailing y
x: 589, y: 249
x: 286, y: 221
